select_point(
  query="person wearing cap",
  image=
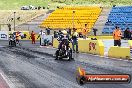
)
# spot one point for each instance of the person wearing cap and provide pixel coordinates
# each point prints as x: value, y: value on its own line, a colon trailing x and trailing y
x: 63, y: 38
x: 75, y: 40
x: 48, y: 31
x: 117, y: 34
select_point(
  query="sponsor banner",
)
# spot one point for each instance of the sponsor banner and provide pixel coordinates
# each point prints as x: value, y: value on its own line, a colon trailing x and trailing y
x: 91, y: 46
x: 108, y: 78
x: 3, y: 35
x: 83, y: 77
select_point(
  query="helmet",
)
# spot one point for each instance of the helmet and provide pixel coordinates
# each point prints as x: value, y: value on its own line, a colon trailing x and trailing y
x: 64, y: 32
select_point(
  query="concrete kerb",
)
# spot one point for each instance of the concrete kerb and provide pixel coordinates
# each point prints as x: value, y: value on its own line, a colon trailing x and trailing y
x: 119, y: 52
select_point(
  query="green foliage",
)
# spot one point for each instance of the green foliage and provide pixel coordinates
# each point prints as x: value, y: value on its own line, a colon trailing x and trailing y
x: 16, y: 4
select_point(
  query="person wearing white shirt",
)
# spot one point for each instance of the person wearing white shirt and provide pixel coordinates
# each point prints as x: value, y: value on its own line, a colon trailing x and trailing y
x: 42, y: 36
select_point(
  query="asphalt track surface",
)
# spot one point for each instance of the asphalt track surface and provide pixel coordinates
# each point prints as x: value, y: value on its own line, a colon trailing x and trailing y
x: 29, y: 66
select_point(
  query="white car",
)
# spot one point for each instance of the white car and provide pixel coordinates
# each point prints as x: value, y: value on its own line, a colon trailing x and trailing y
x: 25, y: 8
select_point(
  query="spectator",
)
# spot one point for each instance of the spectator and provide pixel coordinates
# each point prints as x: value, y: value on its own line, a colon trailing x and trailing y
x: 55, y: 34
x: 40, y: 36
x: 127, y: 34
x: 117, y: 34
x: 95, y: 31
x: 75, y: 40
x: 80, y: 35
x: 44, y: 40
x: 85, y: 31
x: 9, y: 26
x: 11, y: 19
x: 48, y: 31
x: 39, y: 7
x: 18, y: 18
x: 43, y: 7
x: 17, y: 37
x: 69, y: 31
x: 33, y: 37
x: 36, y: 8
x: 59, y: 33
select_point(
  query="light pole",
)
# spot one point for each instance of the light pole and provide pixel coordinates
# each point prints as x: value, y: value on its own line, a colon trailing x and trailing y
x: 73, y: 18
x: 14, y: 20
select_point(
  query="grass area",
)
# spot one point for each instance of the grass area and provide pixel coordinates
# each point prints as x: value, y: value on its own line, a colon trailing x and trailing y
x: 16, y: 4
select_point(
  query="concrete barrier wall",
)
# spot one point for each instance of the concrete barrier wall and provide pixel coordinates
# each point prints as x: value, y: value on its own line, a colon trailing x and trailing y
x: 130, y: 43
x: 55, y: 43
x: 91, y: 46
x: 87, y: 46
x: 119, y: 52
x: 101, y: 37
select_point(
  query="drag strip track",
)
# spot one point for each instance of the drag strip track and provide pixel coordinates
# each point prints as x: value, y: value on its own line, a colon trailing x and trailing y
x: 34, y: 60
x: 34, y: 69
x: 76, y: 62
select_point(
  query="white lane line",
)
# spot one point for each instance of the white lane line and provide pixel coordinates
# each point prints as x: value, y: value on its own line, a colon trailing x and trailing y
x: 9, y: 83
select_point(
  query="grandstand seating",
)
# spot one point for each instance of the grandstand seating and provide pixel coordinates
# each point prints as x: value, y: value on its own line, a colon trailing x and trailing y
x: 63, y: 18
x: 119, y: 16
x: 7, y: 17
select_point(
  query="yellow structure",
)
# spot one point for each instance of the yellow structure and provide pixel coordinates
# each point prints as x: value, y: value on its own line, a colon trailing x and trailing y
x: 87, y: 46
x: 91, y: 46
x: 119, y: 52
x: 130, y: 43
x: 69, y: 17
x: 101, y: 37
x: 56, y: 43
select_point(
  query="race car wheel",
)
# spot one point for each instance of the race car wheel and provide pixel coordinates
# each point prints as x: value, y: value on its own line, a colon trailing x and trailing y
x: 69, y: 55
x: 56, y: 55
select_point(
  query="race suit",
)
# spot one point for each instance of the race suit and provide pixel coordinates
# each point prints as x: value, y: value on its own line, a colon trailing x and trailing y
x: 33, y: 37
x: 64, y: 39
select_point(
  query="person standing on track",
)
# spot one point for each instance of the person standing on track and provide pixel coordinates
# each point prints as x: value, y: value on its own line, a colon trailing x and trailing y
x: 75, y: 40
x: 40, y: 35
x: 85, y: 31
x: 17, y: 37
x: 33, y: 37
x: 117, y: 34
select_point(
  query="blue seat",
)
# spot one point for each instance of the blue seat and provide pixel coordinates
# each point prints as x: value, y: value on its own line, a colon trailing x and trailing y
x: 121, y: 16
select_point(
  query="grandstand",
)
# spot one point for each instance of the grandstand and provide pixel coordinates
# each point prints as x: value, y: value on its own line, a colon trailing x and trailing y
x: 69, y: 17
x: 119, y: 16
x: 7, y: 17
x: 34, y: 23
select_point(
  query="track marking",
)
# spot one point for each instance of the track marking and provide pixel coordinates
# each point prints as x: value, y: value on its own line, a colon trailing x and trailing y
x: 8, y: 82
